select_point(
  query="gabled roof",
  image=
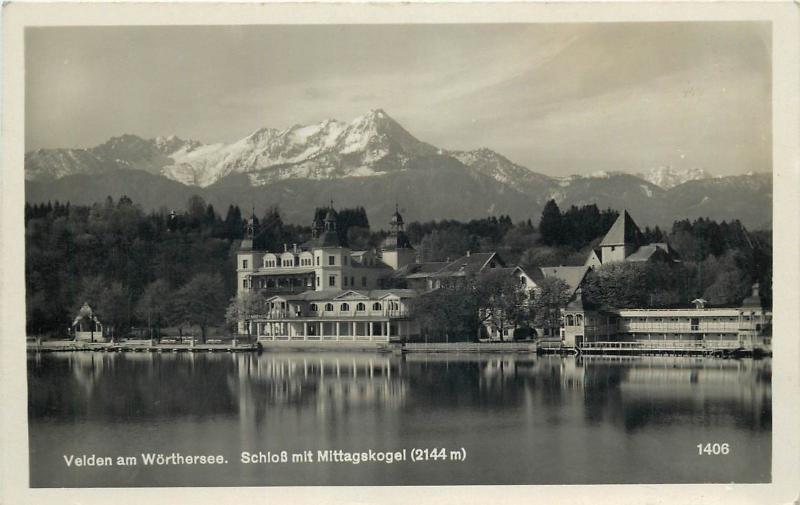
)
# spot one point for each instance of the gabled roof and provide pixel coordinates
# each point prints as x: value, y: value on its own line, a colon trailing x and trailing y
x: 419, y: 270
x: 377, y: 294
x: 470, y: 264
x: 593, y: 257
x: 352, y: 294
x: 623, y: 231
x: 516, y: 269
x: 573, y: 276
x: 325, y: 294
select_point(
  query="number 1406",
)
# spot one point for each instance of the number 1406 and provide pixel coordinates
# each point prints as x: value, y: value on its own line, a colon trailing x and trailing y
x: 713, y: 449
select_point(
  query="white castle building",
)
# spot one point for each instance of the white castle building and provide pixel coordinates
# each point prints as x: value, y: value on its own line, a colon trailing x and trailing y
x: 324, y: 291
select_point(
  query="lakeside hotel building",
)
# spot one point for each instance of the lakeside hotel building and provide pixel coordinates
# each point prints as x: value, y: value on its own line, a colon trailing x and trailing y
x: 322, y: 291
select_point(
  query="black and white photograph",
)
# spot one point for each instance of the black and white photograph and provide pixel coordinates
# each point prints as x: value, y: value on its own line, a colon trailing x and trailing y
x: 400, y: 253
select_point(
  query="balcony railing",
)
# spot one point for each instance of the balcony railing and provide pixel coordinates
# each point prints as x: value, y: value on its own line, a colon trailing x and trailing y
x: 322, y: 314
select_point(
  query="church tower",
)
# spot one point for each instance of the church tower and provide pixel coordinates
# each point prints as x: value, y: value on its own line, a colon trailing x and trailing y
x: 622, y: 240
x: 396, y: 248
x: 246, y: 257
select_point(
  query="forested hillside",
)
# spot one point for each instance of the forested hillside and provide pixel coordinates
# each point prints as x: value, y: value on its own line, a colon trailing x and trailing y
x: 139, y: 269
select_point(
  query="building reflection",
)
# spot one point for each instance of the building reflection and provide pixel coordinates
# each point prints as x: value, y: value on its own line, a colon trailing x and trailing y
x: 628, y: 392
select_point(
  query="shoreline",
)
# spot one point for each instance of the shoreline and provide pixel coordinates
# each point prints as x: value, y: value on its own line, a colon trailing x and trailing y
x: 382, y: 347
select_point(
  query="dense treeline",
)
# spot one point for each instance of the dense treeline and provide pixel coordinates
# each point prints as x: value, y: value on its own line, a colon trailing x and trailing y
x: 157, y: 269
x: 177, y: 268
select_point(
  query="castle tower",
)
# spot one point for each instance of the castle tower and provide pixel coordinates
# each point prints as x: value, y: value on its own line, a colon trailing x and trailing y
x: 396, y: 249
x: 317, y: 226
x: 246, y: 257
x: 330, y: 221
x: 621, y: 241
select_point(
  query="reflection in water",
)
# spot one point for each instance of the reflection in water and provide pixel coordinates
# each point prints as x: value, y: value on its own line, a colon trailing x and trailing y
x: 522, y: 419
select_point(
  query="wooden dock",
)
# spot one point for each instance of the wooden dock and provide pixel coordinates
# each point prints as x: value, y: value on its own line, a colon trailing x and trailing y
x: 140, y: 346
x: 655, y: 347
x: 527, y: 347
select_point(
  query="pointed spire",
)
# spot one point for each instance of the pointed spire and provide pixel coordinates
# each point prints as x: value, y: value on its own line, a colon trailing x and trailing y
x: 624, y: 231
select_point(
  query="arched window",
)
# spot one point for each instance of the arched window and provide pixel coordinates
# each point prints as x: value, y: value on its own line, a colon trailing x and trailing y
x: 394, y: 306
x: 329, y: 306
x: 579, y: 320
x: 360, y: 307
x: 344, y: 307
x: 570, y: 320
x: 376, y: 306
x: 313, y: 307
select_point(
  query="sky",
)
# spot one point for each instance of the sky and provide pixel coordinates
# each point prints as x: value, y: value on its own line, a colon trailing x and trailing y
x: 560, y: 99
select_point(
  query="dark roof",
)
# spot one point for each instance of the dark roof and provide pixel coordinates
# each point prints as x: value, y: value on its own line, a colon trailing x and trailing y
x: 658, y: 250
x: 469, y: 265
x: 754, y: 300
x: 419, y: 270
x: 396, y: 217
x: 508, y: 270
x: 623, y: 231
x: 395, y: 241
x: 325, y: 239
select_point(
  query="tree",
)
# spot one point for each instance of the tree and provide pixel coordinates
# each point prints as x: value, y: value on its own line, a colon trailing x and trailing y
x: 243, y: 308
x: 637, y: 285
x: 201, y: 301
x: 444, y: 244
x: 113, y: 309
x: 196, y: 210
x: 729, y: 288
x: 501, y: 300
x: 446, y: 314
x: 550, y: 226
x: 546, y: 302
x: 154, y: 306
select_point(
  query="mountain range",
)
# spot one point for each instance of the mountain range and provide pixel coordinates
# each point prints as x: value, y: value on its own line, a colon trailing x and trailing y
x: 374, y: 162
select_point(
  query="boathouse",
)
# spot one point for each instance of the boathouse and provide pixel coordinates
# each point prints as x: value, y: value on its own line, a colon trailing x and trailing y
x: 86, y: 326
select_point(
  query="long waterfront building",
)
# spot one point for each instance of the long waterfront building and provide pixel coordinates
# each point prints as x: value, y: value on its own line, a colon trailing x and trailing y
x: 322, y: 291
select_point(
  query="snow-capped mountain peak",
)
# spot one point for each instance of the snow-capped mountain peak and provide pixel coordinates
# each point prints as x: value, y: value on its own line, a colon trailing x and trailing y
x: 668, y: 177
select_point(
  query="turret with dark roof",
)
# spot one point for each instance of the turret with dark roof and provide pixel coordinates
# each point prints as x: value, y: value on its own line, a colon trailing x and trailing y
x: 397, y: 238
x: 323, y: 230
x: 625, y: 242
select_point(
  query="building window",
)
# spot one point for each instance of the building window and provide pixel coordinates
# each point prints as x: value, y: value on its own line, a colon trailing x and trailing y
x: 345, y: 281
x: 317, y: 260
x: 331, y: 280
x: 363, y: 282
x: 344, y: 307
x: 313, y: 307
x: 329, y: 307
x: 376, y: 306
x: 360, y: 307
x: 331, y: 260
x: 319, y: 281
x: 394, y: 306
x: 244, y: 263
x: 244, y: 283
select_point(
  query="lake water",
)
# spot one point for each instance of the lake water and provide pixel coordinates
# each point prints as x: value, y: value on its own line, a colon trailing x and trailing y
x: 517, y: 418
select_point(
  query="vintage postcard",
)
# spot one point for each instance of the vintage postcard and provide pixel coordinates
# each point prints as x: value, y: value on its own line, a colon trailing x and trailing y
x: 376, y: 253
